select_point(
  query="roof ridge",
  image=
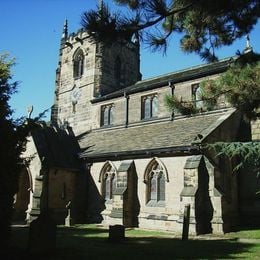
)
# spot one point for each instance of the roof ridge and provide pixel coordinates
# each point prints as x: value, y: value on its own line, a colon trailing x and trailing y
x: 188, y: 69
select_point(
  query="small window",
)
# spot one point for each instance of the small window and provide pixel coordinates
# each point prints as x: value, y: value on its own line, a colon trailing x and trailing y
x: 107, y: 115
x: 78, y: 64
x: 149, y: 106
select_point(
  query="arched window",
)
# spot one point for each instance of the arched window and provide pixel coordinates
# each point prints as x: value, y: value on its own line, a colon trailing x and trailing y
x: 78, y: 64
x: 117, y: 70
x: 107, y: 115
x: 150, y: 106
x: 155, y: 179
x: 147, y: 107
x: 108, y: 181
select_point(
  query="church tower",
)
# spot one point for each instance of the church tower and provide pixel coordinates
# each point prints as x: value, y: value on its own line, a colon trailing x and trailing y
x: 88, y: 69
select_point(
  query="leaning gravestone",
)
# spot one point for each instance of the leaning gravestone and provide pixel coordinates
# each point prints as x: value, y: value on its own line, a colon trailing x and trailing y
x: 42, y: 234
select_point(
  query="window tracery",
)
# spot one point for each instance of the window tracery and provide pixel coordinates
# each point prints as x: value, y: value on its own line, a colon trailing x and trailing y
x: 155, y: 179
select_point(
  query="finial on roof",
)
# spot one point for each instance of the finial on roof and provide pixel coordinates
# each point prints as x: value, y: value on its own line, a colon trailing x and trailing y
x: 65, y: 30
x: 248, y: 45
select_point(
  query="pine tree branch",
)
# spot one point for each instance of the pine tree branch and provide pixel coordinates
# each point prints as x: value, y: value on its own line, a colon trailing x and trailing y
x: 160, y: 18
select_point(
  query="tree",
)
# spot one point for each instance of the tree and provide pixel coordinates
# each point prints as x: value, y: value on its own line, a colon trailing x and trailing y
x: 239, y: 85
x: 247, y: 152
x: 12, y: 142
x: 204, y: 25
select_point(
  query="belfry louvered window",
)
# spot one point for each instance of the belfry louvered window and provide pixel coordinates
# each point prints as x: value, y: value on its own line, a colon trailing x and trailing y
x: 78, y: 64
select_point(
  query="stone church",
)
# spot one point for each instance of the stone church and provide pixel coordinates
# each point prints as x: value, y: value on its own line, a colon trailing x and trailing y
x: 117, y: 154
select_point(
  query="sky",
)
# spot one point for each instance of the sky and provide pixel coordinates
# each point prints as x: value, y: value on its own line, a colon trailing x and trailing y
x: 30, y: 31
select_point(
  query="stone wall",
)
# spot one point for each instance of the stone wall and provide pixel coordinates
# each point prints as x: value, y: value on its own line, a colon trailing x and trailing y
x: 182, y: 90
x: 129, y: 68
x: 62, y: 190
x: 98, y: 78
x: 150, y: 217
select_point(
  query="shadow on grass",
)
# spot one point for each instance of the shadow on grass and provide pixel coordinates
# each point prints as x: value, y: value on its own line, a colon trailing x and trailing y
x: 92, y: 243
x: 78, y: 231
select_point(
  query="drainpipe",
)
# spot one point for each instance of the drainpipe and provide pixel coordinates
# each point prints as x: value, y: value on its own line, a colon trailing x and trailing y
x: 126, y: 109
x: 171, y: 85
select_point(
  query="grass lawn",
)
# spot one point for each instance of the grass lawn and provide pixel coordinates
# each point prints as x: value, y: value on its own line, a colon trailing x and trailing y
x: 91, y: 242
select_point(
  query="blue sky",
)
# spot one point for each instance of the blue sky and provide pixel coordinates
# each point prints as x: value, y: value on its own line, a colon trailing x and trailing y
x: 30, y: 31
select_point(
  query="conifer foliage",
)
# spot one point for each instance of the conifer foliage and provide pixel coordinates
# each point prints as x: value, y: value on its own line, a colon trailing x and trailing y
x: 204, y: 25
x: 238, y: 87
x: 241, y: 87
x: 247, y: 153
x: 12, y: 142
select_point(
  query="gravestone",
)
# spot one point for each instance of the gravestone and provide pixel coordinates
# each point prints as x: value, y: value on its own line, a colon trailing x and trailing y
x: 116, y: 233
x: 42, y: 234
x: 186, y: 222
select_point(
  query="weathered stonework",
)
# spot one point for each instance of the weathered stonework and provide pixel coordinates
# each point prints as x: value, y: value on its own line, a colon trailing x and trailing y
x: 98, y: 78
x: 136, y: 163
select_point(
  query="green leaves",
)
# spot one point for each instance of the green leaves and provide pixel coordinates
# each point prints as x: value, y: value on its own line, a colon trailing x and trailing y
x: 204, y: 25
x: 241, y: 87
x: 182, y: 107
x: 247, y: 152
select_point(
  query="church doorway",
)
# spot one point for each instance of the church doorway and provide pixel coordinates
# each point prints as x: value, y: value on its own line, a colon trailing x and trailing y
x: 22, y: 197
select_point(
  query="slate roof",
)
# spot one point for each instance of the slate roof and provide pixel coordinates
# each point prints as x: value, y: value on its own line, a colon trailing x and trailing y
x: 174, y: 77
x: 56, y: 147
x: 176, y: 134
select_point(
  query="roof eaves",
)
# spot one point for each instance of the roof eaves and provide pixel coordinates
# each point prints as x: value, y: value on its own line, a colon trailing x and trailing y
x: 176, y: 77
x: 206, y: 132
x: 187, y: 149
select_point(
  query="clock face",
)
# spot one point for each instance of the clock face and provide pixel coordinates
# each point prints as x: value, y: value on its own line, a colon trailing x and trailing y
x: 75, y: 95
